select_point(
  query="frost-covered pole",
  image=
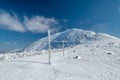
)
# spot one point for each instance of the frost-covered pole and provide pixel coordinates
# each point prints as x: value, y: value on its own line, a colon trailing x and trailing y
x: 63, y: 48
x: 68, y: 48
x: 49, y: 45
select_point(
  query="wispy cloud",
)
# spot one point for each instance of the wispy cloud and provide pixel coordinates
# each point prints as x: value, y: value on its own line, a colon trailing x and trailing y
x: 35, y: 24
x: 102, y: 27
x: 107, y: 28
x: 119, y: 8
x: 65, y: 20
x: 11, y: 22
x: 39, y: 24
x: 10, y: 43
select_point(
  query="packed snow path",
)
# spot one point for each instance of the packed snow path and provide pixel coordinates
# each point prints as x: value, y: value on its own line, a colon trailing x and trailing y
x: 93, y: 64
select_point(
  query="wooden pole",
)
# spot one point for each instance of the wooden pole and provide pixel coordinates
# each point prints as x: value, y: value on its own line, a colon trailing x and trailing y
x: 49, y: 45
x: 68, y: 49
x: 63, y: 48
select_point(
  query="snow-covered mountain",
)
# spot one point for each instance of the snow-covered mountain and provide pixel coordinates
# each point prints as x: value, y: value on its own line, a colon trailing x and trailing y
x: 98, y: 59
x: 96, y: 56
x: 72, y: 36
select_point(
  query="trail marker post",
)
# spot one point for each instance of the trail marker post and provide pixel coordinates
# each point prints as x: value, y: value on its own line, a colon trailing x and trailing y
x: 49, y: 45
x: 63, y: 44
x: 68, y: 49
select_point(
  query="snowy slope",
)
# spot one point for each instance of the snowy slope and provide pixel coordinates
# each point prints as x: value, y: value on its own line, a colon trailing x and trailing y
x: 94, y: 63
x: 96, y: 58
x: 72, y: 36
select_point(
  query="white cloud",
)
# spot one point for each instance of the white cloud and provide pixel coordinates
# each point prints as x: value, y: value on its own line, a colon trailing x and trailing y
x: 119, y: 8
x: 36, y: 24
x: 65, y: 20
x: 108, y: 28
x: 102, y: 27
x: 10, y: 43
x: 8, y: 21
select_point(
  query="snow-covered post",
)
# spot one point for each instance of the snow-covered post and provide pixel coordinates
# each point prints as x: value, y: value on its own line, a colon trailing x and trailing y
x: 63, y: 48
x: 49, y: 45
x: 68, y: 48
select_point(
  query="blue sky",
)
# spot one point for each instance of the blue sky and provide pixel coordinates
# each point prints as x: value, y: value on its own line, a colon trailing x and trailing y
x: 24, y: 21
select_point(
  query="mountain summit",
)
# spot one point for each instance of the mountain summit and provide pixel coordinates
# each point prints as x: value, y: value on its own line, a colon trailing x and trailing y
x: 71, y: 36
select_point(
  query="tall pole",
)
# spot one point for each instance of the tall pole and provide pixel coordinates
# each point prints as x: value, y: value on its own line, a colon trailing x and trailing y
x: 49, y: 45
x: 68, y: 49
x: 63, y: 47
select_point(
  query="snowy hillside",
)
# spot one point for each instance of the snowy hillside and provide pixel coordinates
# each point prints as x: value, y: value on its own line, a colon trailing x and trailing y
x: 95, y: 57
x: 72, y: 36
x: 98, y: 60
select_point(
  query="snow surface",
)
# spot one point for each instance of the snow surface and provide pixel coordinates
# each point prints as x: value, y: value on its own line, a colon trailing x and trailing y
x: 98, y: 59
x: 95, y: 64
